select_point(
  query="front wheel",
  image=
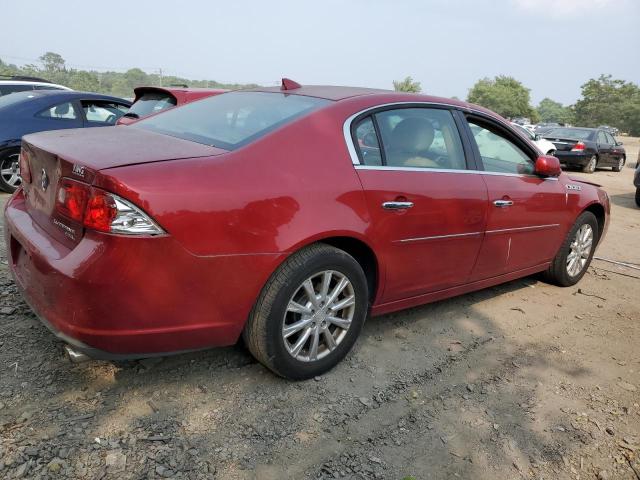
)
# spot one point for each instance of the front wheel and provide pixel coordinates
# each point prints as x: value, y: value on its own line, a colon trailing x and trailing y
x: 572, y: 260
x: 620, y: 165
x: 309, y: 313
x: 590, y: 167
x: 10, y: 171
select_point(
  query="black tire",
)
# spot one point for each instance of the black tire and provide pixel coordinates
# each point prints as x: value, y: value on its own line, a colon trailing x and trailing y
x: 620, y: 166
x: 557, y: 272
x: 590, y: 167
x: 638, y: 197
x: 263, y: 333
x: 8, y: 159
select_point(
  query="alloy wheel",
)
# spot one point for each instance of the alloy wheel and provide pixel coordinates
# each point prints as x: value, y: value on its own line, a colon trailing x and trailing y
x: 620, y: 164
x: 10, y: 170
x: 318, y: 316
x: 580, y: 250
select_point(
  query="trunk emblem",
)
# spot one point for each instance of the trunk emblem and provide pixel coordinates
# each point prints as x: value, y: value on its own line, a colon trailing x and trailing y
x: 44, y: 181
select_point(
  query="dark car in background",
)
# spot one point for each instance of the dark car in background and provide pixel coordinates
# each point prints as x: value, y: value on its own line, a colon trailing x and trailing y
x: 150, y: 100
x: 19, y: 83
x: 33, y: 111
x: 587, y: 148
x: 541, y: 128
x: 636, y: 180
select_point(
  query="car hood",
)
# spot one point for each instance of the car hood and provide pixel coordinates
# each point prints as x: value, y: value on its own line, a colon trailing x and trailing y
x: 108, y: 147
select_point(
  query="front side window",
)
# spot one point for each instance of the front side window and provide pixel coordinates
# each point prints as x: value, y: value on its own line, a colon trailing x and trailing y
x: 233, y: 119
x: 64, y: 111
x: 420, y: 138
x: 602, y: 138
x: 610, y: 139
x: 103, y: 112
x: 498, y: 153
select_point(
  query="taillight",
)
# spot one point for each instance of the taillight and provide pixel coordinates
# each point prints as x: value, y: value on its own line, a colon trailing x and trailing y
x: 578, y: 147
x: 25, y: 172
x: 102, y: 211
x: 71, y: 200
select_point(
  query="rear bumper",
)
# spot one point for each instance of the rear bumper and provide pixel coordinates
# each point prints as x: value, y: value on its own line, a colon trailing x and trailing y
x: 120, y: 297
x: 573, y: 158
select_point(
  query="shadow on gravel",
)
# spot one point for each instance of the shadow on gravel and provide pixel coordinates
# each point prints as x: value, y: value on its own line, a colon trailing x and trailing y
x: 625, y: 200
x: 439, y: 388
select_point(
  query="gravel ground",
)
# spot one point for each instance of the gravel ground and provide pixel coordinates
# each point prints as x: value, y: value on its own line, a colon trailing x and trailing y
x: 524, y: 380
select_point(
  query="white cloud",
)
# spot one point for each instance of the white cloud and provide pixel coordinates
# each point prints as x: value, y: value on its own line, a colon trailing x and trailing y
x: 564, y: 7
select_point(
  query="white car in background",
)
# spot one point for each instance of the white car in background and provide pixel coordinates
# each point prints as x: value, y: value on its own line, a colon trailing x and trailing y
x: 544, y: 145
x: 13, y: 84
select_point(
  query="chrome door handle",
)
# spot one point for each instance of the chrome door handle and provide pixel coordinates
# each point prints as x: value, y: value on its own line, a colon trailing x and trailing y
x: 396, y: 205
x: 503, y: 203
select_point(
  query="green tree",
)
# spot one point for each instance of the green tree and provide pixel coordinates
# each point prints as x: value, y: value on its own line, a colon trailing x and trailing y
x: 552, y: 111
x: 407, y: 85
x: 609, y: 101
x: 84, y: 81
x: 52, y: 62
x: 504, y: 95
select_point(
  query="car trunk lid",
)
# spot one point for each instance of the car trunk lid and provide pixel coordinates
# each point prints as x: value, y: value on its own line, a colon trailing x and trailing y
x: 80, y: 155
x: 563, y: 144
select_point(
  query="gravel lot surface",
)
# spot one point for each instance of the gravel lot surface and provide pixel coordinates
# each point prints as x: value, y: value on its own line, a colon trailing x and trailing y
x: 524, y: 380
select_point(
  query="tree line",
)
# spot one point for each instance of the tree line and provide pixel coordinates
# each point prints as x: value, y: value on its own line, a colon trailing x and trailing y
x: 604, y: 101
x: 53, y: 68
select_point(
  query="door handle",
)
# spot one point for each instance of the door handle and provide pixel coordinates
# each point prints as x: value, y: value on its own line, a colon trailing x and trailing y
x: 397, y: 205
x: 503, y: 203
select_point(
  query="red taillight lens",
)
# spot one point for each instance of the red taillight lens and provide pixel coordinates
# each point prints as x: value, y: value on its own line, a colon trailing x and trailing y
x: 25, y: 172
x: 578, y: 147
x: 72, y: 199
x: 101, y: 211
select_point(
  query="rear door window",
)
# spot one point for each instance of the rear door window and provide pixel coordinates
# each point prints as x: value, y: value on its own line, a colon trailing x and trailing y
x: 367, y: 143
x: 420, y: 138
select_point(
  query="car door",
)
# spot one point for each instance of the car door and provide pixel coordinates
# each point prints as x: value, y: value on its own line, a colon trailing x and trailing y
x: 604, y: 148
x: 526, y: 211
x: 428, y: 209
x: 615, y: 152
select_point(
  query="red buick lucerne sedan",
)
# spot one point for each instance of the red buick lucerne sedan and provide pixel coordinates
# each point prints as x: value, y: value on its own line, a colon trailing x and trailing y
x: 284, y: 216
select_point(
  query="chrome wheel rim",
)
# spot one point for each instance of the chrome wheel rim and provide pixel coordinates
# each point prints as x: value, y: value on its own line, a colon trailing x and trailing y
x: 620, y: 164
x: 592, y: 164
x: 580, y: 250
x: 10, y: 170
x: 318, y: 316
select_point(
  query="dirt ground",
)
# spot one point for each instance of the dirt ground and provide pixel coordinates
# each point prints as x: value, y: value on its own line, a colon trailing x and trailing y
x: 524, y: 380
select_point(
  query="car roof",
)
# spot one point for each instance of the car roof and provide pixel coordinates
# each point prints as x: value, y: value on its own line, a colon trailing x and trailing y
x: 32, y: 82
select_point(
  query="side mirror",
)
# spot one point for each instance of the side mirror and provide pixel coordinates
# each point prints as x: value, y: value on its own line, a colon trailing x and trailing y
x: 619, y: 143
x: 547, y: 166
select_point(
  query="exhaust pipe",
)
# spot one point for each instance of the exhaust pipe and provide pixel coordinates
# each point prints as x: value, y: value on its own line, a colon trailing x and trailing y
x: 75, y: 356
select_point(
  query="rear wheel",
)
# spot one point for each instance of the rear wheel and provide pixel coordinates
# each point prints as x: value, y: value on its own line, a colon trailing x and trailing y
x: 638, y: 197
x: 10, y: 171
x: 309, y: 313
x: 620, y: 165
x: 575, y: 254
x: 591, y: 166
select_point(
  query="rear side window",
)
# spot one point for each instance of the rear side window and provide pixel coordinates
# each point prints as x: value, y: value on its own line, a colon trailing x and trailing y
x: 152, y: 102
x: 231, y: 120
x: 104, y: 113
x: 64, y: 111
x: 412, y: 138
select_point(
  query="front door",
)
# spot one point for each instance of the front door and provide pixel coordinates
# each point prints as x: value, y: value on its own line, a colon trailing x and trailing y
x: 526, y: 212
x: 428, y: 210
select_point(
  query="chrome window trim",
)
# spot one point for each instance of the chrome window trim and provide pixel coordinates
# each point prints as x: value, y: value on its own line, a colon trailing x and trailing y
x: 346, y: 131
x: 450, y: 170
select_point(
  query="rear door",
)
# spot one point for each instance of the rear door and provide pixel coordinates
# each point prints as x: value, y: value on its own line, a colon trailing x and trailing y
x: 428, y: 208
x: 604, y: 148
x: 526, y: 211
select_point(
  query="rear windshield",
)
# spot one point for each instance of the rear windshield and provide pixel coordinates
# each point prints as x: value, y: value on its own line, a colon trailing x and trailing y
x: 570, y: 133
x: 152, y: 102
x: 231, y: 120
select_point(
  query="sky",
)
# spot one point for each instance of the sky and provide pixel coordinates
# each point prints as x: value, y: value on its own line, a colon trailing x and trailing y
x: 551, y: 46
